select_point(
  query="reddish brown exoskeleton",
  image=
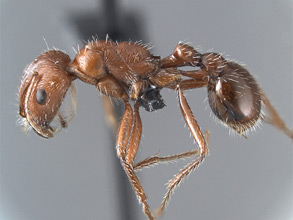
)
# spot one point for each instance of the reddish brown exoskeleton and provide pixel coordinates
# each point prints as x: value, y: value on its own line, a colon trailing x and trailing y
x: 128, y: 71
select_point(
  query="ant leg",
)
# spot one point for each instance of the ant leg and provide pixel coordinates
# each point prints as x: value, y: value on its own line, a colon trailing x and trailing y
x: 170, y: 77
x: 154, y: 160
x: 203, y: 150
x: 124, y: 130
x: 196, y: 74
x: 166, y: 77
x: 109, y: 86
x: 190, y: 84
x: 110, y: 114
x: 135, y: 136
x: 274, y: 118
x: 199, y: 79
x: 137, y: 187
x: 183, y: 55
x: 122, y: 141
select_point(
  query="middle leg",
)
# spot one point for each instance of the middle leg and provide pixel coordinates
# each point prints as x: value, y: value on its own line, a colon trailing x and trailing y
x: 128, y: 139
x: 127, y: 155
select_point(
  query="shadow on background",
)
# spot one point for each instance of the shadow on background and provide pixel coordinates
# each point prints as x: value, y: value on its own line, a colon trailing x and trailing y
x: 119, y: 25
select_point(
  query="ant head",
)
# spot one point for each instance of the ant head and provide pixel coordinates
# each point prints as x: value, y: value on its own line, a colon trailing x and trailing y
x: 42, y: 90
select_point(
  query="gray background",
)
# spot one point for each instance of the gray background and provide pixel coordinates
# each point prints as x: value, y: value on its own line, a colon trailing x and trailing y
x: 73, y: 176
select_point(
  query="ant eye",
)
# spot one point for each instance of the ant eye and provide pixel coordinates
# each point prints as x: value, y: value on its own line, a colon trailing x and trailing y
x: 41, y: 96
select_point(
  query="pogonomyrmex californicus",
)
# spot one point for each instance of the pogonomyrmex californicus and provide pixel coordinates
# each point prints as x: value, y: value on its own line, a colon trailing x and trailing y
x: 128, y: 71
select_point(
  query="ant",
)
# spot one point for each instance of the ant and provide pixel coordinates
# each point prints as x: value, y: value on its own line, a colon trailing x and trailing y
x: 128, y: 71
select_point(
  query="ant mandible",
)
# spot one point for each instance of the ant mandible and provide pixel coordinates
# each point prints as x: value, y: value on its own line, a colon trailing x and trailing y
x: 128, y: 71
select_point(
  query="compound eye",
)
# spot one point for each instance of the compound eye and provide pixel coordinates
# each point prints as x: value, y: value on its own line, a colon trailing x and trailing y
x: 41, y: 96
